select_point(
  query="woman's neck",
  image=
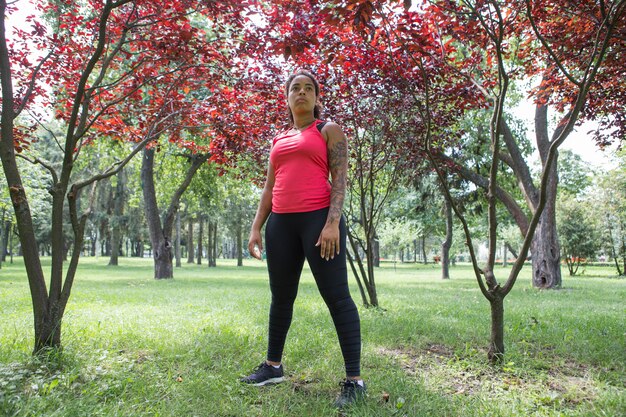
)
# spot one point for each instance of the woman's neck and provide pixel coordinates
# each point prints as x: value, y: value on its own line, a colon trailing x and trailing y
x: 303, y: 122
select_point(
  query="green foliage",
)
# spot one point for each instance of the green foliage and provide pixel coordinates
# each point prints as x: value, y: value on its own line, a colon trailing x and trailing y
x: 578, y: 232
x: 574, y: 174
x: 397, y: 235
x: 135, y: 346
x: 610, y: 198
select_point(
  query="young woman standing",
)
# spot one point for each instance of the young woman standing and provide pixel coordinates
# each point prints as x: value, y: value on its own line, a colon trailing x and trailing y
x: 304, y: 221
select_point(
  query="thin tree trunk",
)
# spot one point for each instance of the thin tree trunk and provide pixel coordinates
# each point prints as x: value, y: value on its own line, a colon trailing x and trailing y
x: 496, y: 345
x: 11, y: 242
x: 363, y: 274
x: 2, y: 240
x: 447, y: 243
x: 118, y: 213
x: 214, y: 247
x: 510, y: 249
x: 239, y: 231
x: 375, y: 251
x: 32, y: 262
x: 160, y: 234
x: 190, y: 250
x: 200, y: 241
x: 358, y: 280
x: 209, y: 250
x: 161, y: 245
x: 371, y: 287
x: 177, y: 240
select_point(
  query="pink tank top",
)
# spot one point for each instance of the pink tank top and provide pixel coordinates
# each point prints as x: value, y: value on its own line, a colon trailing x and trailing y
x: 300, y: 162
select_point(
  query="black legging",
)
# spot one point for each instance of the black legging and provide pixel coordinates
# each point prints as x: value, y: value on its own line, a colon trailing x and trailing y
x: 289, y: 238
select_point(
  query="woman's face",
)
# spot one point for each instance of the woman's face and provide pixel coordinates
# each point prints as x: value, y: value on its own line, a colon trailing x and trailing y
x: 301, y: 96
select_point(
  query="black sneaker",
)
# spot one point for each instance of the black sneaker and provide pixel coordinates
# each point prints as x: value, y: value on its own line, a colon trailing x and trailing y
x: 264, y: 374
x: 351, y: 391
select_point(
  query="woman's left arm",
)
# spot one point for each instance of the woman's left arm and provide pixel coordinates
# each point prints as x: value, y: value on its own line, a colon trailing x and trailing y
x: 337, y: 146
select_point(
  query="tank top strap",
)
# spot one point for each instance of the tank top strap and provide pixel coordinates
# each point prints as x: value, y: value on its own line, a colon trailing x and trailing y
x: 320, y: 125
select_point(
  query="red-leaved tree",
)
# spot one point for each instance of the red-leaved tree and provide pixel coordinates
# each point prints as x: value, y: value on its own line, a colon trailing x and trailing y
x: 109, y: 70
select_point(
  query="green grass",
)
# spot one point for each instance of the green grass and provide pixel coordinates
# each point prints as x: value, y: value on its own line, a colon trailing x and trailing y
x: 134, y: 346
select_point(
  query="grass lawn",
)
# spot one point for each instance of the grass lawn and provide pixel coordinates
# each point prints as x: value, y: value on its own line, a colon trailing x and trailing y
x: 134, y: 346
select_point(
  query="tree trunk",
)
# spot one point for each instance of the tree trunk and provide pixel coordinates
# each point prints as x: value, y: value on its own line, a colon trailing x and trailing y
x: 363, y: 275
x: 371, y: 287
x: 358, y: 280
x: 177, y: 240
x: 94, y: 244
x: 32, y: 261
x: 213, y: 247
x: 544, y: 249
x: 2, y: 242
x: 190, y: 251
x: 161, y: 245
x: 118, y: 213
x: 508, y: 247
x: 209, y: 249
x: 425, y: 259
x: 11, y: 242
x: 447, y: 243
x: 496, y: 345
x: 239, y: 231
x: 200, y: 240
x: 160, y: 234
x: 375, y: 251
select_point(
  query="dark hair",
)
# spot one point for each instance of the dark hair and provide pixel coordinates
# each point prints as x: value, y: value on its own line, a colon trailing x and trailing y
x: 316, y: 111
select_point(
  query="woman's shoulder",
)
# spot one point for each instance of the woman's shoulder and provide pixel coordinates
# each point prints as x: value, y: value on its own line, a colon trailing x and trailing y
x: 331, y: 130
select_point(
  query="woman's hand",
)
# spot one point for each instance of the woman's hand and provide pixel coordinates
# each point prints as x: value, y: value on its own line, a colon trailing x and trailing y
x: 329, y: 241
x: 255, y: 244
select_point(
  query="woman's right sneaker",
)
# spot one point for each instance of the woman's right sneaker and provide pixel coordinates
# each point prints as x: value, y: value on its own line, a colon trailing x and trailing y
x: 264, y: 374
x: 351, y: 392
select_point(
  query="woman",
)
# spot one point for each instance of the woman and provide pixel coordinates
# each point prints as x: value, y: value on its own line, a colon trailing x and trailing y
x: 303, y: 213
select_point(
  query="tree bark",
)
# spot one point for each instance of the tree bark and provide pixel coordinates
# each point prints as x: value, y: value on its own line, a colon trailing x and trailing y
x: 239, y: 231
x: 209, y: 250
x: 177, y: 240
x: 496, y: 344
x: 160, y: 233
x: 545, y: 249
x: 358, y: 280
x: 2, y: 240
x: 118, y: 213
x: 30, y: 252
x: 200, y: 241
x: 190, y: 250
x: 447, y: 243
x: 213, y: 247
x: 161, y: 244
x: 545, y: 253
x: 375, y: 251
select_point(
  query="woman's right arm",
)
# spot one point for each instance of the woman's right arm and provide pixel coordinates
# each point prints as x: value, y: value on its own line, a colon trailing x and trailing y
x: 255, y: 242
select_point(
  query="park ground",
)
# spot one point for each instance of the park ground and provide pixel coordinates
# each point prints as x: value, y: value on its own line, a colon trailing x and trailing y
x: 135, y: 346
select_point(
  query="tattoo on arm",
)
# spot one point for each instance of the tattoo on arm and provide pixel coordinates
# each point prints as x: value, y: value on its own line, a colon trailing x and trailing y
x: 338, y: 165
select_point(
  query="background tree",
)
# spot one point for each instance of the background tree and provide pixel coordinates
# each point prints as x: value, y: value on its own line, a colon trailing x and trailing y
x: 611, y: 190
x: 99, y: 57
x: 577, y: 223
x: 494, y: 20
x: 578, y: 230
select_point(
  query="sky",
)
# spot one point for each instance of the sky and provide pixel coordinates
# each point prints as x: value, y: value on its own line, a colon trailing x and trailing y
x: 578, y: 141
